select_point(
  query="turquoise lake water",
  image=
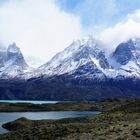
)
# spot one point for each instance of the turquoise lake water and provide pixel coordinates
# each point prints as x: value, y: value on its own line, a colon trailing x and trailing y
x: 28, y: 101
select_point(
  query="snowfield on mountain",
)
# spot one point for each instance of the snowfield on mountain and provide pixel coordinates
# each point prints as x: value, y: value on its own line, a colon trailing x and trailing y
x: 84, y: 58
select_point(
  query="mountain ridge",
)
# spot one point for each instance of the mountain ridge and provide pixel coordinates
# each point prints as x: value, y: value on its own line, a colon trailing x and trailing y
x: 89, y: 51
x: 82, y: 57
x: 80, y: 72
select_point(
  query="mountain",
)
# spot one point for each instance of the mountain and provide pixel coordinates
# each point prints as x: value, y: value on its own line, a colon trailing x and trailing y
x: 82, y: 71
x: 12, y: 62
x: 127, y: 57
x: 86, y: 59
x: 83, y: 58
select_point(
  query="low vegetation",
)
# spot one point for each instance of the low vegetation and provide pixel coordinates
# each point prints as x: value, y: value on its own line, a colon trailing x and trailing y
x: 119, y: 121
x: 104, y: 105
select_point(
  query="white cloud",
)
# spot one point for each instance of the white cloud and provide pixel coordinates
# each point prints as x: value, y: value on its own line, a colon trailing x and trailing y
x: 39, y: 27
x: 122, y: 31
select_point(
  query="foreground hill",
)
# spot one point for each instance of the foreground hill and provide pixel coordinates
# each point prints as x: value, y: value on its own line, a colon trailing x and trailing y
x: 67, y: 89
x: 118, y: 123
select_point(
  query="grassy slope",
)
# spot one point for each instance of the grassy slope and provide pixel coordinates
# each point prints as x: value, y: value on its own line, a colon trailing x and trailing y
x: 118, y: 122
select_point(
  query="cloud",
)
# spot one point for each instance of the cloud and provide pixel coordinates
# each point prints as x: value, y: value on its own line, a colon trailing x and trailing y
x: 122, y: 31
x: 39, y: 27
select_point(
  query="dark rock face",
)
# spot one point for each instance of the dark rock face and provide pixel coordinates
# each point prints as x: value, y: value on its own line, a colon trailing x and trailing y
x: 88, y: 68
x: 2, y: 58
x: 14, y: 53
x: 103, y: 61
x: 123, y: 52
x: 127, y: 51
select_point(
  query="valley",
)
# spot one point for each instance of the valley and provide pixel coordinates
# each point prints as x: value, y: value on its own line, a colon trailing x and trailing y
x: 69, y: 69
x: 119, y: 120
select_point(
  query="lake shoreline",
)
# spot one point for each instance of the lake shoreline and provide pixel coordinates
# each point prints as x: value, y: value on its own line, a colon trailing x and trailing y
x: 120, y: 119
x: 50, y: 116
x: 102, y: 106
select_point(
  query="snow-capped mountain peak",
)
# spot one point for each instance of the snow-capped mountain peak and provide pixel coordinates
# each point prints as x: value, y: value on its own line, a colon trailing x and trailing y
x: 13, y: 48
x: 89, y: 40
x: 12, y: 62
x: 136, y: 42
x: 84, y: 58
x: 84, y: 53
x: 128, y: 51
x: 127, y: 55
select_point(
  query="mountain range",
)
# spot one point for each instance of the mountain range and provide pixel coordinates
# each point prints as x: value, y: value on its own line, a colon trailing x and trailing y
x: 82, y: 71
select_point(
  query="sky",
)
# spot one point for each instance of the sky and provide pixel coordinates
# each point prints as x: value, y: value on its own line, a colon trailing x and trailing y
x: 41, y: 28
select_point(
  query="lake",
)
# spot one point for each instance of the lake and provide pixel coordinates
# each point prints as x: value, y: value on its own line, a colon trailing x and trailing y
x: 6, y: 117
x: 28, y: 101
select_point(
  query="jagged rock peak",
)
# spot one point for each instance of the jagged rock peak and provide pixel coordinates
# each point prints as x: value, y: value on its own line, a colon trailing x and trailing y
x: 13, y: 48
x: 126, y: 51
x: 86, y: 52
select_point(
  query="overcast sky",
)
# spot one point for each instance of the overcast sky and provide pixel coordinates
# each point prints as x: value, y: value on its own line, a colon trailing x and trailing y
x: 41, y: 28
